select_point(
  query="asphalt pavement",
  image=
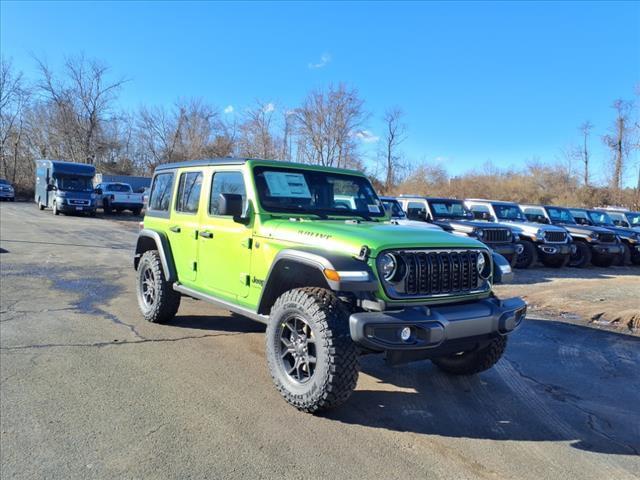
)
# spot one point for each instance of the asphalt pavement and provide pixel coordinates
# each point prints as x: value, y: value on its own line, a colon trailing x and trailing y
x: 90, y: 390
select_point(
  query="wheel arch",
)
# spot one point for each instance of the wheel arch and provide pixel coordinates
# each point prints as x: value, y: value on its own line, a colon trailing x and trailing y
x: 152, y: 240
x: 293, y: 268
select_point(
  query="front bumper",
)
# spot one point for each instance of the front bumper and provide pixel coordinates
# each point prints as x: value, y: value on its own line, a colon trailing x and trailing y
x: 126, y: 205
x: 551, y: 249
x: 433, y: 327
x: 69, y: 208
x: 607, y: 250
x: 5, y: 194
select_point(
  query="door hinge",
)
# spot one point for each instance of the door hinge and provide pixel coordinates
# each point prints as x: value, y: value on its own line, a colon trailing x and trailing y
x: 195, y: 234
x: 195, y: 266
x: 245, y: 279
x: 247, y: 243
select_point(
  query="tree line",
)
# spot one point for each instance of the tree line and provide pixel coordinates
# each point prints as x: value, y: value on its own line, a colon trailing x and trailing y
x: 72, y: 114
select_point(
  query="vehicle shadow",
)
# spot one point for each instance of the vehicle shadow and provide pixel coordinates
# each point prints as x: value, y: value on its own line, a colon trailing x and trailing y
x: 230, y: 323
x: 558, y: 382
x: 543, y: 274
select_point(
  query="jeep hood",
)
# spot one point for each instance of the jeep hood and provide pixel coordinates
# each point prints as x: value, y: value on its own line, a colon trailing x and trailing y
x: 349, y: 237
x: 532, y: 228
x: 584, y: 229
x: 467, y: 225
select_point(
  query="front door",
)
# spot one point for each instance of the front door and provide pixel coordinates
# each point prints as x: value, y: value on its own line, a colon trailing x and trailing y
x: 183, y: 225
x: 224, y: 254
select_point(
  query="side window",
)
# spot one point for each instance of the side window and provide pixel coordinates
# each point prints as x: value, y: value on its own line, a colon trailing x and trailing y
x: 189, y: 192
x: 226, y: 182
x: 479, y: 208
x: 161, y: 192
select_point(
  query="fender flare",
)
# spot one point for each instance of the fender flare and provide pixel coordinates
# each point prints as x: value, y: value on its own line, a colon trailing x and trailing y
x: 164, y: 249
x: 319, y: 260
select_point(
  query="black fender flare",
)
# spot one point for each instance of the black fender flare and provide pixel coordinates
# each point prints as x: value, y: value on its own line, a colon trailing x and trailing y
x: 161, y: 243
x: 318, y: 260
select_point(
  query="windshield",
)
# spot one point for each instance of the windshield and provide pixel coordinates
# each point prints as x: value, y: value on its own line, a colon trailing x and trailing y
x: 560, y: 215
x: 600, y: 218
x: 74, y: 184
x: 394, y: 207
x: 633, y: 218
x: 509, y: 212
x: 449, y: 209
x: 291, y: 190
x: 119, y: 187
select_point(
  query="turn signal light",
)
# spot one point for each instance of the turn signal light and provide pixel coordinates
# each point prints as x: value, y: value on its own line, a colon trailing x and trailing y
x: 331, y: 275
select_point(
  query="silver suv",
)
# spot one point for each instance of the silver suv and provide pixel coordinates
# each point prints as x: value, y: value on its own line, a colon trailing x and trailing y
x: 550, y: 244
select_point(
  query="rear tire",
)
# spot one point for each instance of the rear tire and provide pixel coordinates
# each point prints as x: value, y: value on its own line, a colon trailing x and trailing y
x: 157, y: 299
x: 136, y: 211
x: 527, y: 256
x: 312, y: 360
x: 40, y: 205
x: 582, y: 257
x: 476, y: 361
x: 106, y: 208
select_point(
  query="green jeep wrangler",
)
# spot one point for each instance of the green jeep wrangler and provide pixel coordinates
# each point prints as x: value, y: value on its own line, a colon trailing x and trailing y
x: 331, y: 278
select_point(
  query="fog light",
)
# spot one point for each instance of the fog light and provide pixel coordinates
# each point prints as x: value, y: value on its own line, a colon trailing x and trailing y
x: 405, y: 334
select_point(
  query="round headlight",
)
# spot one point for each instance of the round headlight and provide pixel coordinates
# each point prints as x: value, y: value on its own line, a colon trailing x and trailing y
x: 484, y: 267
x: 388, y: 266
x: 480, y: 233
x: 594, y: 235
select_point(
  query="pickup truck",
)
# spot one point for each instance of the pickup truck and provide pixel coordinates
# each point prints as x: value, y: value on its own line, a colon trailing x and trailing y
x: 118, y: 196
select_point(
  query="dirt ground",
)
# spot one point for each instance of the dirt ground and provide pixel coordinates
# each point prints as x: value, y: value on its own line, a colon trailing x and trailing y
x: 602, y: 297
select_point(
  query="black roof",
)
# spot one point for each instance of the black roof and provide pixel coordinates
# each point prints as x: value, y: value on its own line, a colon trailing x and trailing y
x: 203, y: 163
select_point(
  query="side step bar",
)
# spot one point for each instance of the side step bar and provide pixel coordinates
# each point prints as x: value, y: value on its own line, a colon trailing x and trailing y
x: 220, y: 303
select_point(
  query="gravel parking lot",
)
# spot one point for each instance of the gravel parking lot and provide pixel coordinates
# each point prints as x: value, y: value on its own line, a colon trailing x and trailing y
x: 89, y: 390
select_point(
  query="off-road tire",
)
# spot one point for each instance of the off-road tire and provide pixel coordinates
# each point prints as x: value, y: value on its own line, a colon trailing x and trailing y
x: 528, y: 255
x: 557, y: 261
x: 136, y: 211
x: 476, y: 361
x: 336, y: 369
x: 603, y: 261
x: 166, y: 301
x: 54, y: 208
x: 105, y: 207
x: 40, y: 205
x: 582, y: 257
x: 624, y: 258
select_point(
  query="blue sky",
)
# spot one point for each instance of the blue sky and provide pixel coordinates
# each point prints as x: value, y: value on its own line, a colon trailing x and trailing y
x: 500, y: 82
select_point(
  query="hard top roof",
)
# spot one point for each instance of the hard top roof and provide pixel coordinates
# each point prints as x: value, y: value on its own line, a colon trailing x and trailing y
x: 257, y: 161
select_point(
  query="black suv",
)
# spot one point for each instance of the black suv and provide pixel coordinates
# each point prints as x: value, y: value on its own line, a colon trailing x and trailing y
x: 629, y: 237
x: 453, y: 216
x: 597, y: 245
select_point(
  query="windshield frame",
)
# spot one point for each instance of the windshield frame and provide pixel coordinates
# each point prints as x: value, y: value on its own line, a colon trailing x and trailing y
x: 572, y: 220
x: 520, y: 218
x: 60, y: 178
x: 319, y: 212
x: 467, y: 213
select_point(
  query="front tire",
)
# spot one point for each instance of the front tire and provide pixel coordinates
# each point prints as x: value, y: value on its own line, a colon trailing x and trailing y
x: 157, y: 299
x: 55, y: 208
x: 624, y: 258
x: 311, y: 357
x: 136, y: 211
x: 106, y: 208
x: 527, y: 256
x: 40, y: 205
x: 476, y: 361
x: 582, y: 257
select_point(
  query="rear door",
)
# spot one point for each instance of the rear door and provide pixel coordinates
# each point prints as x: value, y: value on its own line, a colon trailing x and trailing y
x: 224, y: 254
x: 184, y: 223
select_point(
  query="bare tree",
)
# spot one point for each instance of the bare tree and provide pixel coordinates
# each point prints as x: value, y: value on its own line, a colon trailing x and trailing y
x: 13, y: 98
x: 257, y: 132
x: 83, y: 99
x: 327, y: 124
x: 395, y: 134
x: 619, y: 141
x: 585, y: 130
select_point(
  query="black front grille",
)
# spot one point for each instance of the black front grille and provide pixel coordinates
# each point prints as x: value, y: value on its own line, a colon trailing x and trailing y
x: 607, y: 237
x: 496, y: 235
x: 555, y: 236
x: 78, y: 202
x: 438, y: 273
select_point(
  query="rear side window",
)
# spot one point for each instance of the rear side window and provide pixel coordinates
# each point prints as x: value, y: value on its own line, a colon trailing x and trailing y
x: 226, y: 182
x: 189, y: 192
x: 161, y: 192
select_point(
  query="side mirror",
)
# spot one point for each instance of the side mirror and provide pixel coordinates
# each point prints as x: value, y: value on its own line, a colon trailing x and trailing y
x: 98, y: 191
x: 230, y: 204
x: 51, y: 187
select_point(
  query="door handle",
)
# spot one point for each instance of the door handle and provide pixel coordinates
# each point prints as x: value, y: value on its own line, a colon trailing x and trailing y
x: 206, y: 234
x: 175, y: 229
